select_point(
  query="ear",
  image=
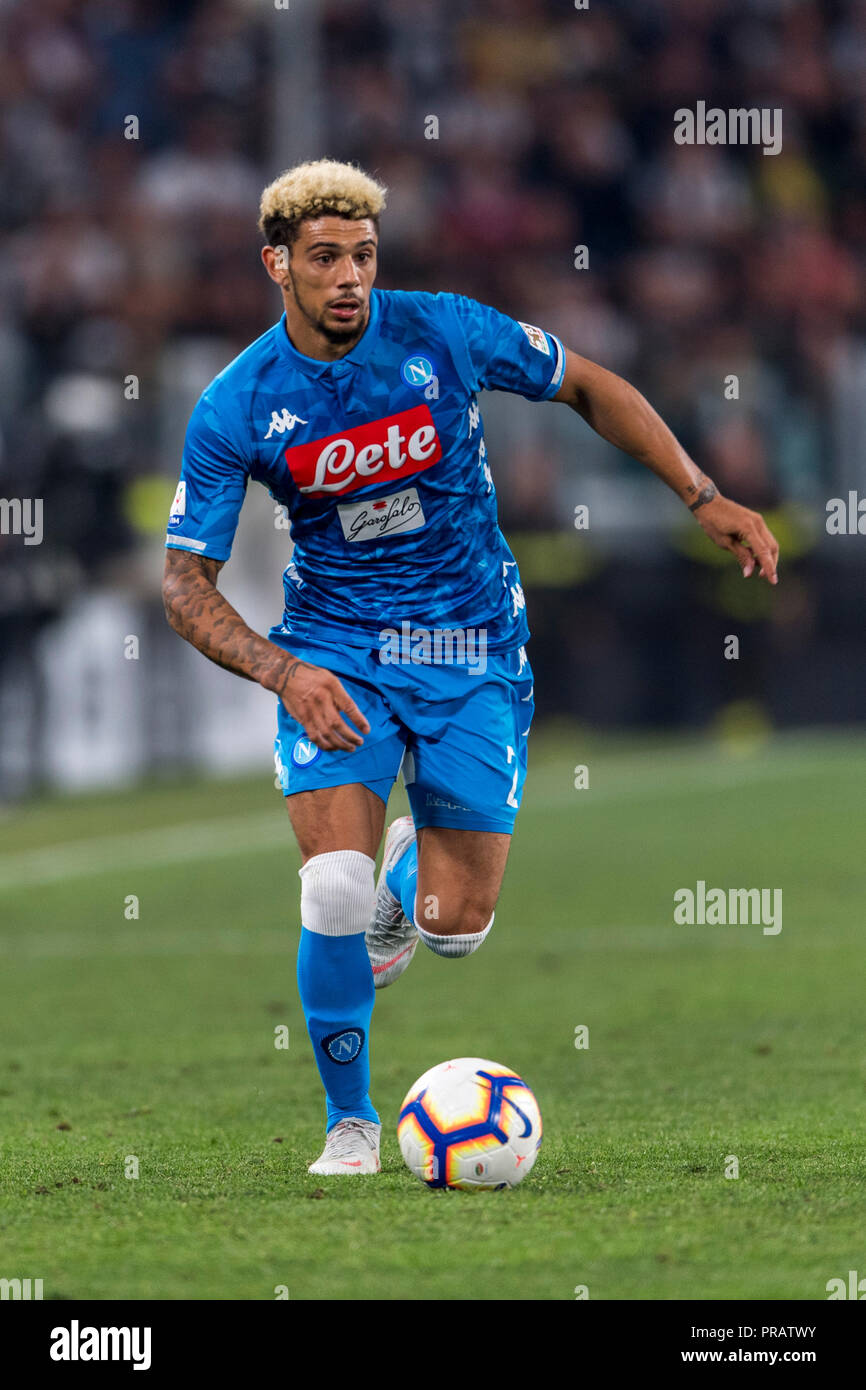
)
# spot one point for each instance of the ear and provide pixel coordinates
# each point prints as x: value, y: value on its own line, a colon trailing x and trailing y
x: 276, y: 262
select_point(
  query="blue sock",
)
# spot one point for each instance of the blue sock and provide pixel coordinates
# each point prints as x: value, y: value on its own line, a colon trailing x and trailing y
x: 402, y: 879
x: 335, y: 983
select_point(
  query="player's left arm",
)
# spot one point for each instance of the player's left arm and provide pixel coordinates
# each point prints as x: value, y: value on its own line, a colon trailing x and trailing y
x: 620, y: 414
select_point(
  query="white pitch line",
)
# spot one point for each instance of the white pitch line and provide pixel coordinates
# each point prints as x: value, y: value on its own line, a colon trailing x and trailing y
x: 576, y: 941
x: 656, y: 784
x: 142, y: 849
x: 193, y: 841
x: 147, y: 946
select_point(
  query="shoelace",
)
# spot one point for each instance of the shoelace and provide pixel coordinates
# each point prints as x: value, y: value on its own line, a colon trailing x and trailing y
x: 389, y: 932
x: 341, y: 1140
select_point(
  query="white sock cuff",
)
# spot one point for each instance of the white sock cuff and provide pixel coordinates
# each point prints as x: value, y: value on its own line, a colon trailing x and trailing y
x: 338, y: 892
x: 453, y: 945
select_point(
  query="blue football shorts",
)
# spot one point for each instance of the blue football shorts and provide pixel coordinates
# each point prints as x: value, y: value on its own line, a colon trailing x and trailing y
x: 459, y: 735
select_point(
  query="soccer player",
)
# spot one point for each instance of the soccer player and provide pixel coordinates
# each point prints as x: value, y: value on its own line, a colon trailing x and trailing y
x: 403, y: 639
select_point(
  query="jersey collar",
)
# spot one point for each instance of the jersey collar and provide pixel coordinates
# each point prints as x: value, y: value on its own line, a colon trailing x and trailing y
x: 312, y: 366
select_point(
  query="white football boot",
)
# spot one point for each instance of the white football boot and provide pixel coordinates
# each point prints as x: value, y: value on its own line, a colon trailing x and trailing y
x: 391, y: 937
x: 351, y: 1147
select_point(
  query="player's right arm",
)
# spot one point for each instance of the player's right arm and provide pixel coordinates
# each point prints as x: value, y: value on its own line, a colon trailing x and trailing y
x: 204, y: 517
x: 197, y: 610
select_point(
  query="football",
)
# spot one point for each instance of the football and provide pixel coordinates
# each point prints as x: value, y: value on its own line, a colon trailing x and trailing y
x: 470, y: 1124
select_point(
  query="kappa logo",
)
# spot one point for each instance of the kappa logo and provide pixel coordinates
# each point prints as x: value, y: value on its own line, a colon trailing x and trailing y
x: 305, y: 752
x: 281, y: 773
x: 404, y: 443
x: 283, y: 421
x: 343, y: 1047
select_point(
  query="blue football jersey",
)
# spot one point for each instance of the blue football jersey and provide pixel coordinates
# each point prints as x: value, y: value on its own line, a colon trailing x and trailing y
x: 380, y: 462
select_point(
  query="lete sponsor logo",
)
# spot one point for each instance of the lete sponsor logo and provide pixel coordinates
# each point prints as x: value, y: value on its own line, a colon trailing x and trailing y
x: 402, y: 444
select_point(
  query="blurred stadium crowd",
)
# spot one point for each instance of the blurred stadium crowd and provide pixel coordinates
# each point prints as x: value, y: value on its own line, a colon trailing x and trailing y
x: 137, y: 258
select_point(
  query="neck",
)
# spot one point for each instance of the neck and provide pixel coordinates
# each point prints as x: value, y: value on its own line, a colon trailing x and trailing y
x: 311, y: 341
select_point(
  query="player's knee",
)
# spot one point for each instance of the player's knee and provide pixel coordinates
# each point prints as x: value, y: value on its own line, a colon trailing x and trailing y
x: 337, y: 892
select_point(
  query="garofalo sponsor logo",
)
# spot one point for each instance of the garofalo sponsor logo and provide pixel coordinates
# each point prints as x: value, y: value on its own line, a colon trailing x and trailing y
x: 729, y: 907
x: 437, y: 646
x: 740, y: 125
x: 76, y: 1343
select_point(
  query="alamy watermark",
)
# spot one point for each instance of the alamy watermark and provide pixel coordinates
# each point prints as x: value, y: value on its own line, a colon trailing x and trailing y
x: 22, y: 516
x: 438, y: 646
x: 77, y: 1343
x: 854, y: 1288
x: 22, y: 1289
x: 846, y: 516
x: 738, y: 126
x: 731, y: 907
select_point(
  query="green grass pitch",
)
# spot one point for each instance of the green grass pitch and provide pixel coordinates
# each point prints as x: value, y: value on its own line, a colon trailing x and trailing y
x: 153, y: 1039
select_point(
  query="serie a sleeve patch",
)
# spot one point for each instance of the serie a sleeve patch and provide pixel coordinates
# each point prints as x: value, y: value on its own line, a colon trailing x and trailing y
x: 537, y: 337
x: 178, y: 506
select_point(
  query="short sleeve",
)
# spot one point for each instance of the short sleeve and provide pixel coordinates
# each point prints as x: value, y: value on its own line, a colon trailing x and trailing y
x: 213, y: 483
x: 497, y: 353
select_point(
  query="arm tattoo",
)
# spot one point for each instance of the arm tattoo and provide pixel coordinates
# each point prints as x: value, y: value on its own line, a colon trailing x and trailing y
x: 197, y: 610
x: 699, y: 493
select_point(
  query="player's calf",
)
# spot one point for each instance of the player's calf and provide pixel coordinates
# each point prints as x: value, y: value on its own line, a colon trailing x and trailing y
x: 441, y: 889
x: 334, y: 978
x: 442, y: 938
x: 459, y: 878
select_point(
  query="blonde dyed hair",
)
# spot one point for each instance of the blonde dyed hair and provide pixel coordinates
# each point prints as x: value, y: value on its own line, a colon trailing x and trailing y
x: 316, y: 189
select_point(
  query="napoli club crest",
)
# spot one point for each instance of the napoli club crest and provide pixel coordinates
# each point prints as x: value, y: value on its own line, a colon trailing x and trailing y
x: 305, y: 752
x: 417, y: 371
x: 344, y: 1047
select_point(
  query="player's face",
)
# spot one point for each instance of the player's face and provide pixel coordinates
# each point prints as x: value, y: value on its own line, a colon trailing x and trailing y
x: 331, y: 274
